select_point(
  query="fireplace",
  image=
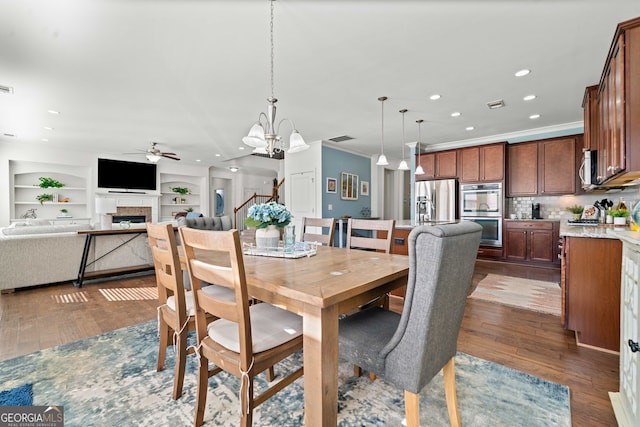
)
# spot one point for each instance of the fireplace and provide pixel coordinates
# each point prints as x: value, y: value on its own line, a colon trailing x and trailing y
x: 136, y: 219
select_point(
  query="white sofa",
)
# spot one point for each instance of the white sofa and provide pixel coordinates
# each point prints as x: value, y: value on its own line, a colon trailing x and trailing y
x: 35, y: 253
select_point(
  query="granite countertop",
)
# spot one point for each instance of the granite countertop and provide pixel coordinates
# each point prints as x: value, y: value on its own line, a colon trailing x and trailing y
x: 600, y: 231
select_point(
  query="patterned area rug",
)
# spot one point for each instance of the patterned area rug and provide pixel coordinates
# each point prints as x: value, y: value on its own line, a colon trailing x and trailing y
x: 533, y: 295
x: 111, y: 380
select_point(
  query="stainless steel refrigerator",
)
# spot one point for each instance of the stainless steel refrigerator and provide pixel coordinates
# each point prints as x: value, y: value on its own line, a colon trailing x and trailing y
x: 436, y: 200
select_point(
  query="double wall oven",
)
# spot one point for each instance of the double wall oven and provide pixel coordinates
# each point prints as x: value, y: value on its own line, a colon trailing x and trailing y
x: 482, y: 203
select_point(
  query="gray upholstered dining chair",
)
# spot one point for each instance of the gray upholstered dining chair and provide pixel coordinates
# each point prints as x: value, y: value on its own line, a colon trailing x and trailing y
x: 409, y: 349
x: 310, y: 236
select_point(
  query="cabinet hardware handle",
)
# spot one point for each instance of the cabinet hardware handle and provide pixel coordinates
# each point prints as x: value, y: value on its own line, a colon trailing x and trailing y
x: 634, y: 346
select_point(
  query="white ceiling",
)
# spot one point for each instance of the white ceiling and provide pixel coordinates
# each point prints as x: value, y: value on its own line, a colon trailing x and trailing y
x: 193, y: 75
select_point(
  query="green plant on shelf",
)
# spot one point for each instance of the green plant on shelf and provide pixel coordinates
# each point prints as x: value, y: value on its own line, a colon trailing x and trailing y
x: 45, y: 197
x: 49, y: 183
x: 619, y: 213
x: 181, y: 190
x: 188, y: 210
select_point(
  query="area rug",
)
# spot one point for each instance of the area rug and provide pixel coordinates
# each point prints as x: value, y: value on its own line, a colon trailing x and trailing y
x: 536, y: 295
x: 17, y: 396
x: 110, y: 380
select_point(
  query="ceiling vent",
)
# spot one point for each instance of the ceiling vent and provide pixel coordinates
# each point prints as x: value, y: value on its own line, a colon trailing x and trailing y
x: 6, y: 89
x: 493, y: 105
x: 342, y: 138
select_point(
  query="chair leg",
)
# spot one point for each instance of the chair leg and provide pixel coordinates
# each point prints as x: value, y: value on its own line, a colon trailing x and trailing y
x: 449, y: 375
x: 162, y: 345
x: 412, y: 408
x: 246, y: 402
x: 271, y: 374
x: 357, y: 371
x: 201, y: 394
x: 181, y: 361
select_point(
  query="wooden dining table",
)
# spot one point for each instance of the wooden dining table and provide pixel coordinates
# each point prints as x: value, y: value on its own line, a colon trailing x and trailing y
x: 320, y: 288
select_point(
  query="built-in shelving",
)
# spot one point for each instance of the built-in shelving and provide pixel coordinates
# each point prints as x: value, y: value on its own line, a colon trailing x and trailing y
x: 171, y: 203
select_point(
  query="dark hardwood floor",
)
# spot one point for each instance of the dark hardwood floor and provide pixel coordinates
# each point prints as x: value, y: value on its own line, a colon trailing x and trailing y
x: 33, y: 319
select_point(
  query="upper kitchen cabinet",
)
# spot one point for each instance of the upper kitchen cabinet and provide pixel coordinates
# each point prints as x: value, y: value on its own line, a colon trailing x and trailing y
x: 483, y: 163
x: 440, y: 164
x: 590, y: 106
x: 522, y: 169
x: 616, y: 132
x: 545, y: 167
x: 557, y: 166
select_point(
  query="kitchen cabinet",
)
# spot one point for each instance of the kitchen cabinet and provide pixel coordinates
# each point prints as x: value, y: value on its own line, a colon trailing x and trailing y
x: 484, y: 163
x: 440, y: 164
x: 531, y: 241
x: 545, y: 167
x: 590, y: 107
x: 557, y: 166
x: 522, y: 169
x: 625, y: 402
x: 616, y: 134
x: 591, y: 269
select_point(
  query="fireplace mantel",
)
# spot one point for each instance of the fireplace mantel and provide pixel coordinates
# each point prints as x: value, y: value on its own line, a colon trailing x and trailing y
x: 135, y: 204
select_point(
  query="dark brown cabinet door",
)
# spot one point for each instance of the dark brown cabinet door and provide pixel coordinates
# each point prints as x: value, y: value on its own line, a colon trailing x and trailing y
x: 428, y: 163
x: 469, y: 164
x: 557, y: 170
x: 522, y: 168
x: 446, y: 164
x: 516, y: 244
x: 541, y: 246
x: 492, y: 163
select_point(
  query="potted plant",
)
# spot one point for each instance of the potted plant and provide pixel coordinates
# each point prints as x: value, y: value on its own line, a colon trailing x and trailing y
x: 619, y: 216
x: 64, y: 213
x: 45, y: 197
x: 576, y: 210
x: 181, y: 190
x: 46, y: 182
x: 267, y: 218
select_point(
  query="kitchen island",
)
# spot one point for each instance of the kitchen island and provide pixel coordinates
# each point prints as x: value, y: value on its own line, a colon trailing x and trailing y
x: 591, y: 266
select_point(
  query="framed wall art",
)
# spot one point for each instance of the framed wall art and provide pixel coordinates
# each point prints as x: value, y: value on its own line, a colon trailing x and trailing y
x: 364, y: 188
x: 332, y: 185
x: 348, y: 186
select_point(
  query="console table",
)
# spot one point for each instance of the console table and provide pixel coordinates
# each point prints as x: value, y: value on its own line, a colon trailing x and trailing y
x: 132, y: 233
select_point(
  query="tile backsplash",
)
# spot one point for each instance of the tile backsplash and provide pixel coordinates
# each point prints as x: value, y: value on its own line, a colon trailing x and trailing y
x: 554, y: 207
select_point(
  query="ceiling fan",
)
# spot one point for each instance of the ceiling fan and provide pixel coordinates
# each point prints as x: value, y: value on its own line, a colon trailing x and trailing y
x: 154, y: 154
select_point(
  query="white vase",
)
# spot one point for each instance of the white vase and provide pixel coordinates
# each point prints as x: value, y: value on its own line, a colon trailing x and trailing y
x: 619, y: 220
x: 267, y: 237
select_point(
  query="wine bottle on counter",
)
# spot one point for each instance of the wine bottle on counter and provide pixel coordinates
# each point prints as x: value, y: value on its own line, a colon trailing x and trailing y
x: 621, y: 206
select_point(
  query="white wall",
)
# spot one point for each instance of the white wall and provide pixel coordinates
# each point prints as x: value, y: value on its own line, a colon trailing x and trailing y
x: 305, y: 161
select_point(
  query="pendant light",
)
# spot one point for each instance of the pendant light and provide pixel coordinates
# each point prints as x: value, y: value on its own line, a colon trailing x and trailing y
x: 403, y: 164
x: 419, y: 170
x: 382, y: 159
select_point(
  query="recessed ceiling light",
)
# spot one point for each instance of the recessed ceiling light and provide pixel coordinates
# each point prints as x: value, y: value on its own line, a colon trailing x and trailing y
x: 435, y: 97
x: 44, y: 140
x: 48, y: 128
x: 523, y: 72
x: 456, y: 114
x: 234, y: 168
x: 53, y: 112
x: 534, y: 116
x: 240, y: 148
x: 217, y: 155
x: 470, y: 128
x: 529, y: 97
x: 198, y: 160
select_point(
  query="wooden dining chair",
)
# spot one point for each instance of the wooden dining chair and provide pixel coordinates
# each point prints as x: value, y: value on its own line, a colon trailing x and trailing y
x: 317, y: 235
x: 409, y: 349
x: 246, y: 339
x: 371, y: 238
x: 176, y: 315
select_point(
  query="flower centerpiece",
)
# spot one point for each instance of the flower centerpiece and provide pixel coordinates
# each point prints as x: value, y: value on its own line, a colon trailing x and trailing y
x: 267, y: 218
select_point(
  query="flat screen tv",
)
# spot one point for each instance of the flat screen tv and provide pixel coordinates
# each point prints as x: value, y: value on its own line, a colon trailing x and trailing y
x: 125, y: 175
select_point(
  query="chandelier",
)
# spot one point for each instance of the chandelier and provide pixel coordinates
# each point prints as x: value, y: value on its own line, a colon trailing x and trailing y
x: 263, y: 135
